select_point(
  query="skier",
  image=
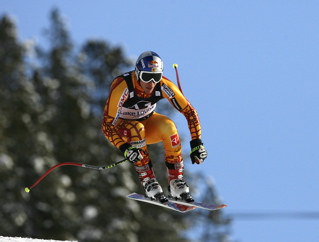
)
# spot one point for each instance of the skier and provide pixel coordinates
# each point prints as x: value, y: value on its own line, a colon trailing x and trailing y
x: 130, y: 123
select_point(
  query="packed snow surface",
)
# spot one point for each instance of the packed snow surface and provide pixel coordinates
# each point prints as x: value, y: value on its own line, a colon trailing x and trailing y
x: 18, y: 239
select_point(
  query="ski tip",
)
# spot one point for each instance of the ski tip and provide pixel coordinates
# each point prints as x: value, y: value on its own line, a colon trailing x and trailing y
x: 222, y: 206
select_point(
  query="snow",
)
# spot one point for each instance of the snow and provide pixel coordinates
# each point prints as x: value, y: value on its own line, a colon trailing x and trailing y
x: 18, y: 239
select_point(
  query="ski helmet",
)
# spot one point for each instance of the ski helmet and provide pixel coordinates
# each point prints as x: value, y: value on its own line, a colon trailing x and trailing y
x: 149, y: 67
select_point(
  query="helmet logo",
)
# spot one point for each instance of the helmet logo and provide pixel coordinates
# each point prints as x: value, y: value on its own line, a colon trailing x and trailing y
x: 142, y: 61
x: 152, y: 64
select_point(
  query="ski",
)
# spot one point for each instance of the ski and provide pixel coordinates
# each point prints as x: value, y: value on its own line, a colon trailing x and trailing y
x: 197, y: 204
x: 182, y: 208
x: 177, y: 205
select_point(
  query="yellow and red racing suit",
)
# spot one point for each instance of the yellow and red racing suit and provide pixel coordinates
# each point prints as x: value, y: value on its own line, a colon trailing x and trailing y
x: 130, y: 117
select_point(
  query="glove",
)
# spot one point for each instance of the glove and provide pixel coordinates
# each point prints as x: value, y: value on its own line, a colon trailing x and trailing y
x: 132, y: 153
x: 198, y: 152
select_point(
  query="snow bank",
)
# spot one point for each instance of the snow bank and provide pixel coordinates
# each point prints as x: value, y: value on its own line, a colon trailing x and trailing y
x: 18, y: 239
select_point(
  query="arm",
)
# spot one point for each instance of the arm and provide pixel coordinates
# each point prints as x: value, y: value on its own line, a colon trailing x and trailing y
x: 177, y: 99
x: 117, y: 96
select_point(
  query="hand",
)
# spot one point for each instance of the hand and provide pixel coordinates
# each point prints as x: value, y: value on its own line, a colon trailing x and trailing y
x: 133, y: 154
x: 198, y: 152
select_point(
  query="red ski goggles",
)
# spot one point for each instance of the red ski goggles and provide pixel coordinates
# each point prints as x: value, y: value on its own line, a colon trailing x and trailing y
x: 150, y: 76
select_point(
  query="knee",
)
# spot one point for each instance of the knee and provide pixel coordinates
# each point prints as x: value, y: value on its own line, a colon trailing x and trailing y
x: 137, y: 131
x: 169, y: 127
x: 132, y: 130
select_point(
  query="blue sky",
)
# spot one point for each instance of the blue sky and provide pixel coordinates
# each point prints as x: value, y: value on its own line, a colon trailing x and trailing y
x: 250, y: 68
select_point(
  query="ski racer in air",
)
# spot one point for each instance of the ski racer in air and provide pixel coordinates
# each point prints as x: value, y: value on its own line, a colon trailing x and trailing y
x: 130, y: 123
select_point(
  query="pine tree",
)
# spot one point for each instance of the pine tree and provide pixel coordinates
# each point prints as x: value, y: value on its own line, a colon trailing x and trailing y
x: 18, y: 108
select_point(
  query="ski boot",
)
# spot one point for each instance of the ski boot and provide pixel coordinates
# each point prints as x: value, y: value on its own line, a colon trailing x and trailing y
x: 154, y: 191
x: 179, y: 190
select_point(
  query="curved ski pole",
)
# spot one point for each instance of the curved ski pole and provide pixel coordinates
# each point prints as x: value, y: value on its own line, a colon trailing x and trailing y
x: 27, y: 189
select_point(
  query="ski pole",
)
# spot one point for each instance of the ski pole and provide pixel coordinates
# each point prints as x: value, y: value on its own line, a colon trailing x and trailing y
x: 27, y: 189
x: 177, y: 77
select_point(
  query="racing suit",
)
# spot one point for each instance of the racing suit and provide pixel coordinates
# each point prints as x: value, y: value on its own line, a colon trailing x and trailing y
x: 130, y: 117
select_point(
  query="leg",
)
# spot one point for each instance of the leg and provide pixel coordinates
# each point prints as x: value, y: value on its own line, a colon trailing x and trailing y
x: 161, y: 128
x: 134, y: 133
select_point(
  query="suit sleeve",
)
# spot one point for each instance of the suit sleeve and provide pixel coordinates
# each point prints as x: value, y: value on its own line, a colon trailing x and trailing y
x: 118, y: 95
x: 179, y: 101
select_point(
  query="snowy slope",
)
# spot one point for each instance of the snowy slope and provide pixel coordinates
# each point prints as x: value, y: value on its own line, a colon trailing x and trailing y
x: 18, y: 239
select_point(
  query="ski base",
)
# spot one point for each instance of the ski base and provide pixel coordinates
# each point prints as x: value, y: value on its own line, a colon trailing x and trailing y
x: 197, y: 204
x: 176, y: 205
x: 170, y: 205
